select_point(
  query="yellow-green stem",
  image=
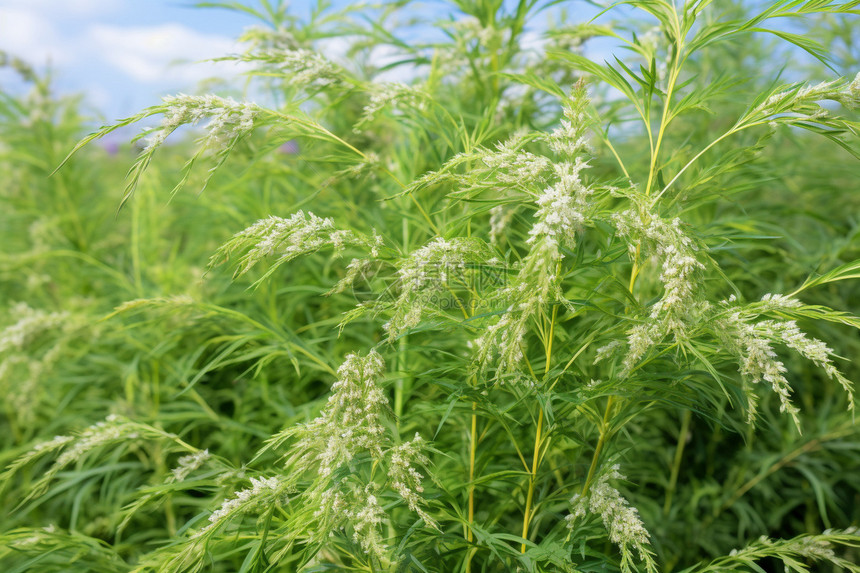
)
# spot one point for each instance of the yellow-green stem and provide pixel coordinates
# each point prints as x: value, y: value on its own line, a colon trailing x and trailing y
x: 473, y: 446
x: 665, y: 119
x: 652, y: 170
x: 527, y: 514
x: 401, y: 354
x: 599, y: 448
x: 634, y: 272
x: 676, y: 463
x: 531, y: 491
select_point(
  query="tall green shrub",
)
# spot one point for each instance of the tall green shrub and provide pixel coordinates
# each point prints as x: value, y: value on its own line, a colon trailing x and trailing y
x: 527, y: 312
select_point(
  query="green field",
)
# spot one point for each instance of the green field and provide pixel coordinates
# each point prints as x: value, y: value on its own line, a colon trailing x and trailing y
x: 569, y: 295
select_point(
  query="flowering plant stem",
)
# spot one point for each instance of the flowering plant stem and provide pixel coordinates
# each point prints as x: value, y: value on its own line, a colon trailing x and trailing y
x: 538, y: 444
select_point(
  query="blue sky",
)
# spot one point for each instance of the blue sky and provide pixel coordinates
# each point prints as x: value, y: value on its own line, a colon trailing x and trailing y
x: 122, y: 54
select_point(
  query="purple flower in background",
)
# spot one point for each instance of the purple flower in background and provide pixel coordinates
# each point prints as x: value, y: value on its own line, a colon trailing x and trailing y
x: 291, y: 147
x: 111, y: 147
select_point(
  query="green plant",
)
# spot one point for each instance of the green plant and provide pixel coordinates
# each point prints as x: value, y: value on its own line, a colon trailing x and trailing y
x: 548, y: 275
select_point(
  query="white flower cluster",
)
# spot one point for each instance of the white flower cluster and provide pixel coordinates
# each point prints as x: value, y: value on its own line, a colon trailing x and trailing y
x: 366, y: 521
x: 355, y: 269
x: 607, y: 350
x: 308, y: 67
x: 561, y: 208
x: 471, y: 29
x: 20, y: 376
x: 405, y: 478
x: 36, y: 537
x: 30, y: 347
x: 803, y: 101
x: 358, y: 506
x: 428, y: 269
x: 851, y: 94
x: 619, y: 518
x: 349, y: 425
x: 444, y: 255
x: 651, y: 39
x: 351, y: 422
x: 813, y: 350
x: 43, y: 233
x: 52, y: 444
x: 113, y: 429
x: 500, y: 219
x: 228, y: 119
x: 505, y: 170
x: 188, y: 464
x: 779, y: 302
x: 535, y: 286
x: 263, y: 491
x: 41, y: 108
x: 813, y: 547
x: 785, y: 100
x: 471, y: 40
x: 569, y: 138
x: 390, y: 95
x: 752, y: 344
x: 30, y: 323
x: 505, y: 339
x: 298, y: 235
x: 564, y: 38
x: 512, y: 166
x: 304, y: 67
x: 759, y: 362
x: 678, y: 305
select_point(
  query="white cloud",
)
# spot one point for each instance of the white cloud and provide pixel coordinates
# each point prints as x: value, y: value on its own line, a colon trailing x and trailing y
x: 99, y: 97
x: 26, y: 34
x: 119, y: 67
x: 167, y: 53
x: 66, y: 7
